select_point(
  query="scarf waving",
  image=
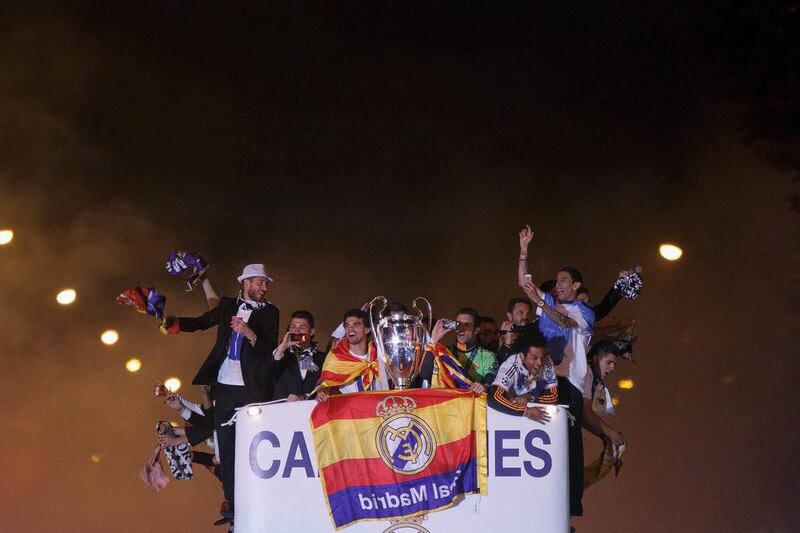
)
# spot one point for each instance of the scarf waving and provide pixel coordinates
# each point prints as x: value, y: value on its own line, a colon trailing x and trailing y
x: 341, y: 367
x: 146, y: 301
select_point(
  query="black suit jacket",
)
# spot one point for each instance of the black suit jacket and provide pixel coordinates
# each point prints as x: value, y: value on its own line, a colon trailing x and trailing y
x: 291, y: 381
x: 258, y: 364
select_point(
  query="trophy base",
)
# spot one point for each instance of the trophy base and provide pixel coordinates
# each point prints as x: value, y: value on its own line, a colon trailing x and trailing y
x: 402, y: 383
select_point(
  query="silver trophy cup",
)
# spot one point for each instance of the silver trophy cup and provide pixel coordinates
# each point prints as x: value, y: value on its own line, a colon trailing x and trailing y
x: 400, y: 339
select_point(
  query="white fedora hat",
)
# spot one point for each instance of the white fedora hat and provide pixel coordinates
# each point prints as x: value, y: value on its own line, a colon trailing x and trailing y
x: 253, y: 271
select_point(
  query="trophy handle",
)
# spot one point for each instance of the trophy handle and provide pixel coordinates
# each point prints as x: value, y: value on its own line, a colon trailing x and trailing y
x: 382, y: 302
x: 421, y: 314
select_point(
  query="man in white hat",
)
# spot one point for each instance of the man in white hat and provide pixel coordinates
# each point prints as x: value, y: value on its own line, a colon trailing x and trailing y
x: 240, y: 367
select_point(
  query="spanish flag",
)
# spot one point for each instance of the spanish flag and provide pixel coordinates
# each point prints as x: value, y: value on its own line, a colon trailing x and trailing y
x: 390, y: 455
x: 342, y: 367
x: 611, y: 457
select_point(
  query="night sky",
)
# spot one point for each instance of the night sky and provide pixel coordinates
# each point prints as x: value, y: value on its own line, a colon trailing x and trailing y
x: 397, y: 149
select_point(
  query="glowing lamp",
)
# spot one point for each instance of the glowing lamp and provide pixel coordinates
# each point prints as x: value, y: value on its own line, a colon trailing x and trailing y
x: 670, y: 252
x: 66, y: 297
x: 6, y: 236
x: 109, y: 337
x: 625, y: 384
x: 172, y: 384
x: 133, y: 365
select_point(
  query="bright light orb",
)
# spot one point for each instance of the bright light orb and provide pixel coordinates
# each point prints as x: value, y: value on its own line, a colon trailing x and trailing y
x: 66, y: 297
x: 133, y: 365
x: 670, y: 252
x: 172, y: 384
x: 625, y: 384
x: 109, y: 337
x: 253, y: 410
x: 6, y: 236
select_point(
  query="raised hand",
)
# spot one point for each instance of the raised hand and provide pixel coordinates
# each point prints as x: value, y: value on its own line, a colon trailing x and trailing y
x: 172, y: 401
x: 439, y: 331
x: 531, y: 291
x: 525, y: 237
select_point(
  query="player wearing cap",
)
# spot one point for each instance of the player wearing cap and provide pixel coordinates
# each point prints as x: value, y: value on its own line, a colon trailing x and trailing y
x: 240, y: 366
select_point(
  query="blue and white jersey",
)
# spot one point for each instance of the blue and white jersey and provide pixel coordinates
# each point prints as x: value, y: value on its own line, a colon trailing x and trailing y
x: 568, y: 347
x: 515, y: 378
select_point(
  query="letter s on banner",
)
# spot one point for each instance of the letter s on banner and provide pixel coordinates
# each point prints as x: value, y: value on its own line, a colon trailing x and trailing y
x: 260, y: 437
x: 538, y: 453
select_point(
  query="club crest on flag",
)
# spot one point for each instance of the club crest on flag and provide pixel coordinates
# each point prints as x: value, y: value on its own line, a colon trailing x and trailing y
x: 404, y: 441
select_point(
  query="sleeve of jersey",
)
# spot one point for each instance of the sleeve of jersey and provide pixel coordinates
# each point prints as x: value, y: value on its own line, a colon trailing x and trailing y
x: 549, y: 396
x: 497, y: 400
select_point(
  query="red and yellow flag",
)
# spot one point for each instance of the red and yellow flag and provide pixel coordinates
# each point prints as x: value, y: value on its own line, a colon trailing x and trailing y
x: 342, y: 367
x: 397, y: 454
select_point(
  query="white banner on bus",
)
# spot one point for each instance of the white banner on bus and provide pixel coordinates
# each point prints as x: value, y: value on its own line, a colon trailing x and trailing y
x: 278, y: 488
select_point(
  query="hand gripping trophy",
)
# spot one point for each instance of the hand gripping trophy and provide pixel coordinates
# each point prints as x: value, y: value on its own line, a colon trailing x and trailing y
x: 400, y: 339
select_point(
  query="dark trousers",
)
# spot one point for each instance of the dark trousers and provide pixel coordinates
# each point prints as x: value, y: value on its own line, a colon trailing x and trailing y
x: 199, y: 427
x: 227, y: 398
x: 572, y: 397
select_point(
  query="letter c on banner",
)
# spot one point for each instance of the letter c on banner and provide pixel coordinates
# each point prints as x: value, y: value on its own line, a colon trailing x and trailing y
x: 538, y: 453
x: 260, y: 437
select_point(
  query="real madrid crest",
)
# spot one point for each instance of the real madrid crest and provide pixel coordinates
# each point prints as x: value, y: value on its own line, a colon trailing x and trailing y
x: 404, y: 441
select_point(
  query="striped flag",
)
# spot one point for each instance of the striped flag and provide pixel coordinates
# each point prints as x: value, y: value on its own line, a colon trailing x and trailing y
x: 342, y: 367
x: 399, y: 454
x: 447, y: 371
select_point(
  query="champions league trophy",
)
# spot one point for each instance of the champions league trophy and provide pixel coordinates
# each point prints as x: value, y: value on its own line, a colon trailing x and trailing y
x: 400, y: 339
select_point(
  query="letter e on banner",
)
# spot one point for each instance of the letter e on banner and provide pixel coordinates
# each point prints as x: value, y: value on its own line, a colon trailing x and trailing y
x: 500, y: 453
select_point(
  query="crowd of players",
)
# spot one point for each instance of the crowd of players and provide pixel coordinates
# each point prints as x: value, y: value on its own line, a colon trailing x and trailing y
x: 543, y: 352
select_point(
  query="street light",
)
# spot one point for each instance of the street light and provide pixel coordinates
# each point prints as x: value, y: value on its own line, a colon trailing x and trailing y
x: 172, y: 384
x: 625, y: 384
x: 6, y: 236
x: 133, y: 365
x: 109, y: 337
x: 66, y: 297
x: 670, y: 252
